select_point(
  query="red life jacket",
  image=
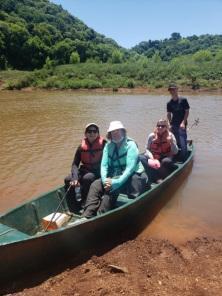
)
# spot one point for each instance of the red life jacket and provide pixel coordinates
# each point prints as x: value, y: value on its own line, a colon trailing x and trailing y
x: 91, y: 154
x: 160, y: 147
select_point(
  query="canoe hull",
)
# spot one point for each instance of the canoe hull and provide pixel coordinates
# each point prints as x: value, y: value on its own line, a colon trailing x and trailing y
x: 37, y: 252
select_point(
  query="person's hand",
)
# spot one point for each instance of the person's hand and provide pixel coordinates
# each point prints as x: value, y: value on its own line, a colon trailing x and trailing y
x: 154, y: 163
x: 182, y: 125
x: 74, y: 183
x: 108, y: 184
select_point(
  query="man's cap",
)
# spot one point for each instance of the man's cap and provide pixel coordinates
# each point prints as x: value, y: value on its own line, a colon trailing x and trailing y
x: 115, y: 125
x: 91, y: 124
x: 172, y: 86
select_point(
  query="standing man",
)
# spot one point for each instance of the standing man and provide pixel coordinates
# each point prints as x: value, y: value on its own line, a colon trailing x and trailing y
x: 177, y: 114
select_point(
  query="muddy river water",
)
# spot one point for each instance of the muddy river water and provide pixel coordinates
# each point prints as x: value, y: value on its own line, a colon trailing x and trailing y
x: 40, y: 130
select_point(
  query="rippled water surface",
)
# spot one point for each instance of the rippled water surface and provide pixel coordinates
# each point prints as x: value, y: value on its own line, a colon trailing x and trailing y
x: 40, y: 131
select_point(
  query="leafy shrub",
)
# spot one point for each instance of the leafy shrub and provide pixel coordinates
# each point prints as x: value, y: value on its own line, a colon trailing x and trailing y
x: 130, y: 83
x: 74, y: 58
x: 89, y: 83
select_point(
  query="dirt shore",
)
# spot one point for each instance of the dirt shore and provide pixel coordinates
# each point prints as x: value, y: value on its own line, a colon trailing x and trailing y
x: 136, y: 90
x: 134, y: 267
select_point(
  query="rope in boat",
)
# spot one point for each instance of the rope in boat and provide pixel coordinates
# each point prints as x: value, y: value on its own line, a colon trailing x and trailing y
x: 53, y: 216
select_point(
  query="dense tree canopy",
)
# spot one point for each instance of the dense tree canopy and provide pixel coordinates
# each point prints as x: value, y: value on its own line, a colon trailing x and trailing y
x: 32, y: 30
x: 37, y: 34
x: 176, y: 45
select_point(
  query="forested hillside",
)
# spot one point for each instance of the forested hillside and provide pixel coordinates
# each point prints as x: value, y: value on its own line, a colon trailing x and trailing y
x: 57, y: 50
x: 176, y: 46
x: 32, y: 30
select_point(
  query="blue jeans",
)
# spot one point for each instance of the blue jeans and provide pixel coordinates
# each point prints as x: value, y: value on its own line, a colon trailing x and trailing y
x: 181, y: 137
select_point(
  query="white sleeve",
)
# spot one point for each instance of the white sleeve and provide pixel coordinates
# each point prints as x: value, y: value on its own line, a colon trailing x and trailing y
x: 148, y: 153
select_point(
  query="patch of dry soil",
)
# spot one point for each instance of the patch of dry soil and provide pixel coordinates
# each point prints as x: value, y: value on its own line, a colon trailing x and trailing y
x: 136, y: 267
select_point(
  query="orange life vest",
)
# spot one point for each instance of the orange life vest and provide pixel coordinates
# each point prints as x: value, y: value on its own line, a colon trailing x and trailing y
x: 91, y: 154
x: 160, y: 147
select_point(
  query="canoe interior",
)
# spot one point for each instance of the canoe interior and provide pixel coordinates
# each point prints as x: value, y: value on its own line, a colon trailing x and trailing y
x: 24, y: 222
x: 27, y: 217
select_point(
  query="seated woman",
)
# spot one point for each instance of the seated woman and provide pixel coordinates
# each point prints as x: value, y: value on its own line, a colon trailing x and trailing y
x: 85, y: 166
x: 160, y: 148
x: 121, y: 172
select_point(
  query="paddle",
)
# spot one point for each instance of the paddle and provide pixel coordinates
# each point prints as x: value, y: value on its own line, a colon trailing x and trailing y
x: 57, y: 209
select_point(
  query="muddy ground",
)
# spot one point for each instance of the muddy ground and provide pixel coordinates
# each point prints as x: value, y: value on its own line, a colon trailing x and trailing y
x: 136, y: 266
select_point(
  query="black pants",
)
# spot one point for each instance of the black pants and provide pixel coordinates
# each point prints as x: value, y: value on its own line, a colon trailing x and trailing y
x: 99, y: 201
x: 166, y: 168
x: 85, y: 181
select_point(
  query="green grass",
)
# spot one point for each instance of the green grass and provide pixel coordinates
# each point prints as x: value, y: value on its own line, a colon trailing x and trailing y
x: 184, y: 72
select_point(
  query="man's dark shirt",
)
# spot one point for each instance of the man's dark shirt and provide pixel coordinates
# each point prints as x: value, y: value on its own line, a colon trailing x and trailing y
x: 177, y: 108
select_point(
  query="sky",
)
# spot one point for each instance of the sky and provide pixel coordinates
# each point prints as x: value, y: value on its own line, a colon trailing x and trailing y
x: 130, y: 22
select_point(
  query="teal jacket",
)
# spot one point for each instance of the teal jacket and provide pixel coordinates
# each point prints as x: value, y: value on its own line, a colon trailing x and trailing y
x: 120, y: 163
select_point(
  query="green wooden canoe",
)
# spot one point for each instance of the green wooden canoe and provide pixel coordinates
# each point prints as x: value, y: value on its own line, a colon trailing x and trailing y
x: 24, y: 246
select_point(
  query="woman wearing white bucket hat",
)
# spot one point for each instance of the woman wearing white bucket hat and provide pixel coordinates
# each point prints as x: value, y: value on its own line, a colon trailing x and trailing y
x: 121, y: 172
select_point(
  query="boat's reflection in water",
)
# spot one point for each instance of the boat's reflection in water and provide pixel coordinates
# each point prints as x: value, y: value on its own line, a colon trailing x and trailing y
x: 169, y: 207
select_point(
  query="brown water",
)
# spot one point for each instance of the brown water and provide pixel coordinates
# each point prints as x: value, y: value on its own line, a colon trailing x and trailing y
x: 40, y: 131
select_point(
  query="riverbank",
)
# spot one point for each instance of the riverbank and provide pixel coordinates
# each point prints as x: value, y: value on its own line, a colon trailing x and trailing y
x: 64, y: 78
x: 136, y: 267
x: 137, y: 90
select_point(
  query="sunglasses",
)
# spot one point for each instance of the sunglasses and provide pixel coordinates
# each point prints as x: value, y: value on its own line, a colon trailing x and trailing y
x: 161, y: 125
x: 92, y: 131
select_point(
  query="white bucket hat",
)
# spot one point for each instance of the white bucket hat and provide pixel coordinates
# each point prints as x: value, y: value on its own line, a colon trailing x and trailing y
x: 115, y: 125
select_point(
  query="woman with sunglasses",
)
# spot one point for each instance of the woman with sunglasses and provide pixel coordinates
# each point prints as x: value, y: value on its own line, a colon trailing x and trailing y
x: 161, y: 147
x: 85, y: 167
